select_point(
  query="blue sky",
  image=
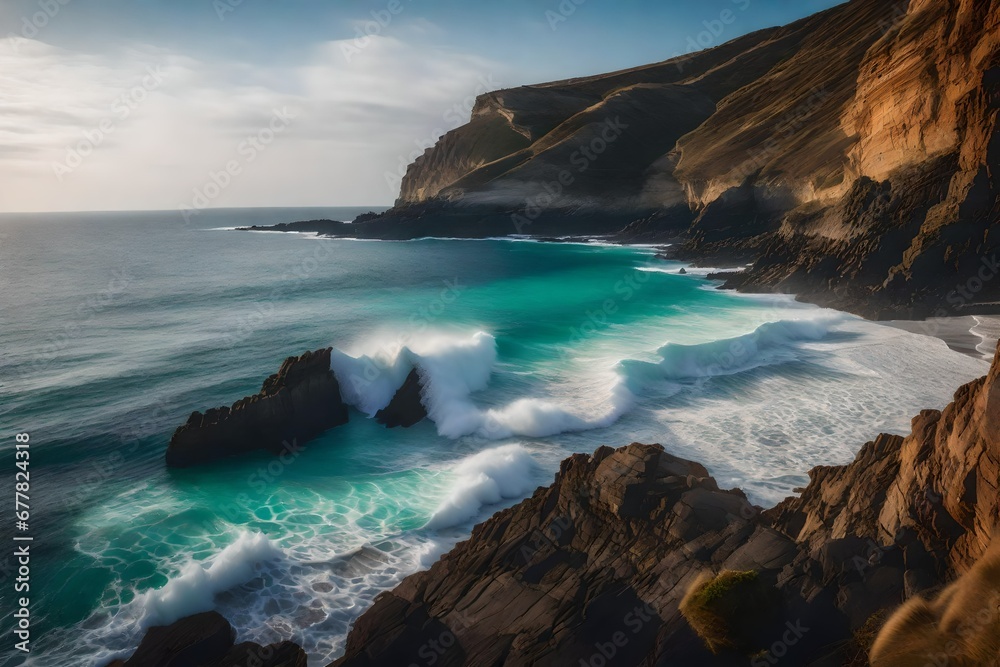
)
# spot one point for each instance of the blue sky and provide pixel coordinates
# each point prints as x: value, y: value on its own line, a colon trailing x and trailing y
x: 144, y: 104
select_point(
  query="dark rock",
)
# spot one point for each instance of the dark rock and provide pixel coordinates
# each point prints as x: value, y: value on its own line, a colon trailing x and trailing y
x: 206, y: 640
x: 406, y: 407
x: 298, y: 403
x: 190, y: 642
x: 620, y: 537
x: 248, y: 654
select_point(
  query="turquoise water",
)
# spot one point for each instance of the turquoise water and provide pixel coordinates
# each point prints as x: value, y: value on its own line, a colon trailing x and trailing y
x: 114, y: 327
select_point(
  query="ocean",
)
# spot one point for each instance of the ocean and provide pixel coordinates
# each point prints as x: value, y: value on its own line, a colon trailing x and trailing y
x: 114, y: 327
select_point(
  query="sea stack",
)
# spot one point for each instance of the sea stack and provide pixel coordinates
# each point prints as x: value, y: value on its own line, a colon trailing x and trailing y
x: 295, y: 405
x: 406, y: 408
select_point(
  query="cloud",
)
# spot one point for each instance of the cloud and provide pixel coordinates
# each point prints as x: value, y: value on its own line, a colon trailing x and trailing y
x: 142, y: 127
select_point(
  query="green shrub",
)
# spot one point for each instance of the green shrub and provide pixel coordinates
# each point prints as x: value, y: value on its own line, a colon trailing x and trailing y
x: 730, y: 611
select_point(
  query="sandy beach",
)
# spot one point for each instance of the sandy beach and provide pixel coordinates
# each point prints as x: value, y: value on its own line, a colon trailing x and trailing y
x: 974, y: 335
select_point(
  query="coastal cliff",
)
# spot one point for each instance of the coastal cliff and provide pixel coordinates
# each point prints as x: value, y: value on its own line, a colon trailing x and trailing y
x: 851, y: 157
x: 598, y: 565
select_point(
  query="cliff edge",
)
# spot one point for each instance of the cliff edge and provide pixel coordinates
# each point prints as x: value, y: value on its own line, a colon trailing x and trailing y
x: 597, y: 566
x: 852, y: 157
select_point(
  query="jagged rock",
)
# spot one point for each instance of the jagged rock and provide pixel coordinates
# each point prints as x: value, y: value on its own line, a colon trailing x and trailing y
x: 598, y: 563
x: 406, y: 407
x: 207, y: 640
x: 298, y: 403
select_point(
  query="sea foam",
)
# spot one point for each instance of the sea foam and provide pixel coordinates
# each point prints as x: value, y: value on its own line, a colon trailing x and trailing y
x: 486, y: 478
x: 453, y: 368
x: 194, y: 589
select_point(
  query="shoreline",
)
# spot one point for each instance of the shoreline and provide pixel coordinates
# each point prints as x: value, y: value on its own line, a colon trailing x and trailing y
x: 959, y: 332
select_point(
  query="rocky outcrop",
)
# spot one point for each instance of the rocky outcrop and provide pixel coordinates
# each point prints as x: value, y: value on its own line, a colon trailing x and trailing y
x: 852, y: 157
x: 298, y: 403
x: 207, y: 640
x: 406, y: 408
x: 596, y: 566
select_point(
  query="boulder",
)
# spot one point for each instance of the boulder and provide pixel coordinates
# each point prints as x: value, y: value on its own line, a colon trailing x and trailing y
x: 207, y: 640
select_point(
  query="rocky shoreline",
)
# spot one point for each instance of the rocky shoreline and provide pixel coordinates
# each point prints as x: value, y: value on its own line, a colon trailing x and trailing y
x: 600, y: 563
x: 610, y: 560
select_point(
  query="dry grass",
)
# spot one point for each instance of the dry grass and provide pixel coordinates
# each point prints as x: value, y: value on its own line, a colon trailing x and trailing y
x: 961, y: 628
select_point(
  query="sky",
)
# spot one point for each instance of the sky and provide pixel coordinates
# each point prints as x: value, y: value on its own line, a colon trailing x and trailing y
x: 166, y: 104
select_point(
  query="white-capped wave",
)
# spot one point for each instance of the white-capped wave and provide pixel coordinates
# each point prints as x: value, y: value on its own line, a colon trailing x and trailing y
x: 452, y: 369
x: 368, y: 382
x: 486, y: 478
x: 770, y: 343
x: 194, y: 589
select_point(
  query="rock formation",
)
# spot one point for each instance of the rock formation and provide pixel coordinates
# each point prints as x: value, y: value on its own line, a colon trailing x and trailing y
x: 207, y: 640
x: 406, y: 408
x: 853, y: 157
x: 298, y: 403
x: 595, y: 567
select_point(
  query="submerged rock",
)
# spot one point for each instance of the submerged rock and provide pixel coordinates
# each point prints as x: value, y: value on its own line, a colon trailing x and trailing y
x: 406, y: 408
x: 207, y: 640
x: 295, y: 405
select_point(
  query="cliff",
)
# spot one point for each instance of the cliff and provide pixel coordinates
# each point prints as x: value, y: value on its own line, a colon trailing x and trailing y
x: 298, y: 403
x: 597, y: 566
x: 852, y: 157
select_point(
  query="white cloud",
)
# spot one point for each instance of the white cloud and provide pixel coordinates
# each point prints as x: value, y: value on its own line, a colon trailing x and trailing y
x: 354, y: 120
